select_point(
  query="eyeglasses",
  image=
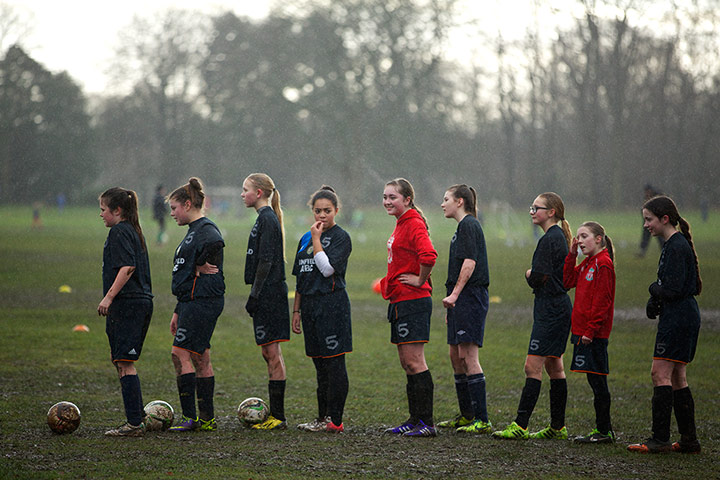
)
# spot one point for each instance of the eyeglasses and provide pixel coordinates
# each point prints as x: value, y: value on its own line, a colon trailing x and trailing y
x: 535, y: 208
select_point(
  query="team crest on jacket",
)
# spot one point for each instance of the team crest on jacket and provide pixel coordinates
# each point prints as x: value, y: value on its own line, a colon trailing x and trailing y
x: 589, y: 275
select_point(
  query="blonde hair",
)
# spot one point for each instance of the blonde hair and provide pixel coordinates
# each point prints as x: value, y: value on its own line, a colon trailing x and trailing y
x: 262, y: 181
x: 554, y: 202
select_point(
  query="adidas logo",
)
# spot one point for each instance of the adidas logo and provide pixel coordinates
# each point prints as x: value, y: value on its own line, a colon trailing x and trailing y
x: 132, y: 352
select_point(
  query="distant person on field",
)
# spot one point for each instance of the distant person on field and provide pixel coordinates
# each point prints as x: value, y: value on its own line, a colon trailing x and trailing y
x: 160, y: 212
x: 592, y: 319
x: 322, y: 308
x: 268, y: 300
x: 672, y: 298
x: 127, y: 303
x: 467, y: 303
x: 648, y: 193
x: 407, y: 285
x: 199, y: 285
x: 552, y: 312
x: 61, y: 200
x: 36, y: 220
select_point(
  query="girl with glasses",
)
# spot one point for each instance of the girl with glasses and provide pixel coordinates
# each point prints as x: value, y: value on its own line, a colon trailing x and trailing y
x: 551, y: 321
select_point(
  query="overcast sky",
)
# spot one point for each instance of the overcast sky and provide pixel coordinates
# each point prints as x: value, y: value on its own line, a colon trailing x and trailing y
x: 79, y: 36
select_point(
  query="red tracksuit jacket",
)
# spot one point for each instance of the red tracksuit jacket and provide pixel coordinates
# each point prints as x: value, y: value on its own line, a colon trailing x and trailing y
x: 594, y: 282
x: 409, y: 247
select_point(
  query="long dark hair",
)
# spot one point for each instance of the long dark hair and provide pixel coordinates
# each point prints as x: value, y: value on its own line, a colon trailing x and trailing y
x: 127, y: 201
x: 193, y: 191
x: 468, y: 195
x: 662, y: 205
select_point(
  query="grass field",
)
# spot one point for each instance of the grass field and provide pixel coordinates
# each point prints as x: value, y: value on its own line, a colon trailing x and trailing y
x: 42, y: 361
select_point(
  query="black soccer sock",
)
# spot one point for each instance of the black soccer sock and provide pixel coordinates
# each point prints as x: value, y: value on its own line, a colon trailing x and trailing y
x: 411, y: 390
x: 463, y: 395
x: 601, y: 401
x: 558, y: 402
x: 276, y: 389
x: 662, y: 405
x: 528, y: 399
x: 424, y: 389
x: 132, y: 399
x: 476, y: 386
x: 321, y: 373
x: 186, y: 387
x: 684, y: 407
x: 205, y: 393
x: 338, y: 388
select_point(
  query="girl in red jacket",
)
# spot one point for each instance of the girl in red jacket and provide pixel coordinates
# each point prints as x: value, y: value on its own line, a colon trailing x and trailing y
x: 411, y: 257
x: 592, y: 317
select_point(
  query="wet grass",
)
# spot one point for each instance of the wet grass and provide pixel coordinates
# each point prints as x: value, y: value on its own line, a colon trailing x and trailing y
x: 42, y: 361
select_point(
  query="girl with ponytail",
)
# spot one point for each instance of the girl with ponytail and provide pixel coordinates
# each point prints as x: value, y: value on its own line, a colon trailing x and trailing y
x: 411, y: 257
x: 467, y: 306
x: 552, y: 311
x: 672, y: 298
x: 592, y: 318
x: 199, y: 285
x: 127, y: 302
x: 268, y: 300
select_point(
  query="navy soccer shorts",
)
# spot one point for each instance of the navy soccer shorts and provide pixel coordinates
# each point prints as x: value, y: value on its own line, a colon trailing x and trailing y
x: 410, y: 321
x: 196, y: 323
x: 126, y: 325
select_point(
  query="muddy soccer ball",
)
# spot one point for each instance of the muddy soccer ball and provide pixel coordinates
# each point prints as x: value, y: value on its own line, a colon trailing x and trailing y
x: 159, y: 416
x: 63, y: 417
x: 253, y: 410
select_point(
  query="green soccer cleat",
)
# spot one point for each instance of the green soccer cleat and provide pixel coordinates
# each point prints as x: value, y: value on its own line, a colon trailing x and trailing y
x: 208, y: 425
x: 549, y: 433
x: 271, y: 423
x: 457, y: 422
x: 513, y: 431
x: 478, y: 426
x: 596, y: 436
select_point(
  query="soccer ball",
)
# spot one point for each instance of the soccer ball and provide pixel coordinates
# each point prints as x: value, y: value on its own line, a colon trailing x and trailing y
x: 253, y: 410
x: 63, y: 417
x: 160, y: 416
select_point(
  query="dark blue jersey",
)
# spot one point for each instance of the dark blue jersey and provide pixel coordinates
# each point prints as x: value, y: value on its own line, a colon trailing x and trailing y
x: 677, y: 274
x: 123, y: 249
x: 310, y: 281
x: 265, y: 245
x: 549, y: 260
x: 468, y: 242
x: 202, y: 244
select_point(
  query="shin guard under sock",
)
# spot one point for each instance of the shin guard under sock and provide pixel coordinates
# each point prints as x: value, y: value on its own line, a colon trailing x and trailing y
x: 276, y: 390
x: 558, y: 402
x: 205, y: 393
x: 132, y: 399
x: 476, y: 386
x: 662, y: 404
x: 186, y: 388
x: 528, y: 399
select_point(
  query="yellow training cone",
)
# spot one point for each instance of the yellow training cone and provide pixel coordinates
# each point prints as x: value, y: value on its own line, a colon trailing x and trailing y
x: 65, y: 289
x: 495, y: 299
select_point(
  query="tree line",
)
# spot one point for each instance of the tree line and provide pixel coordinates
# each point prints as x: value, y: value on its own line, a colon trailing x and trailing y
x: 355, y: 92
